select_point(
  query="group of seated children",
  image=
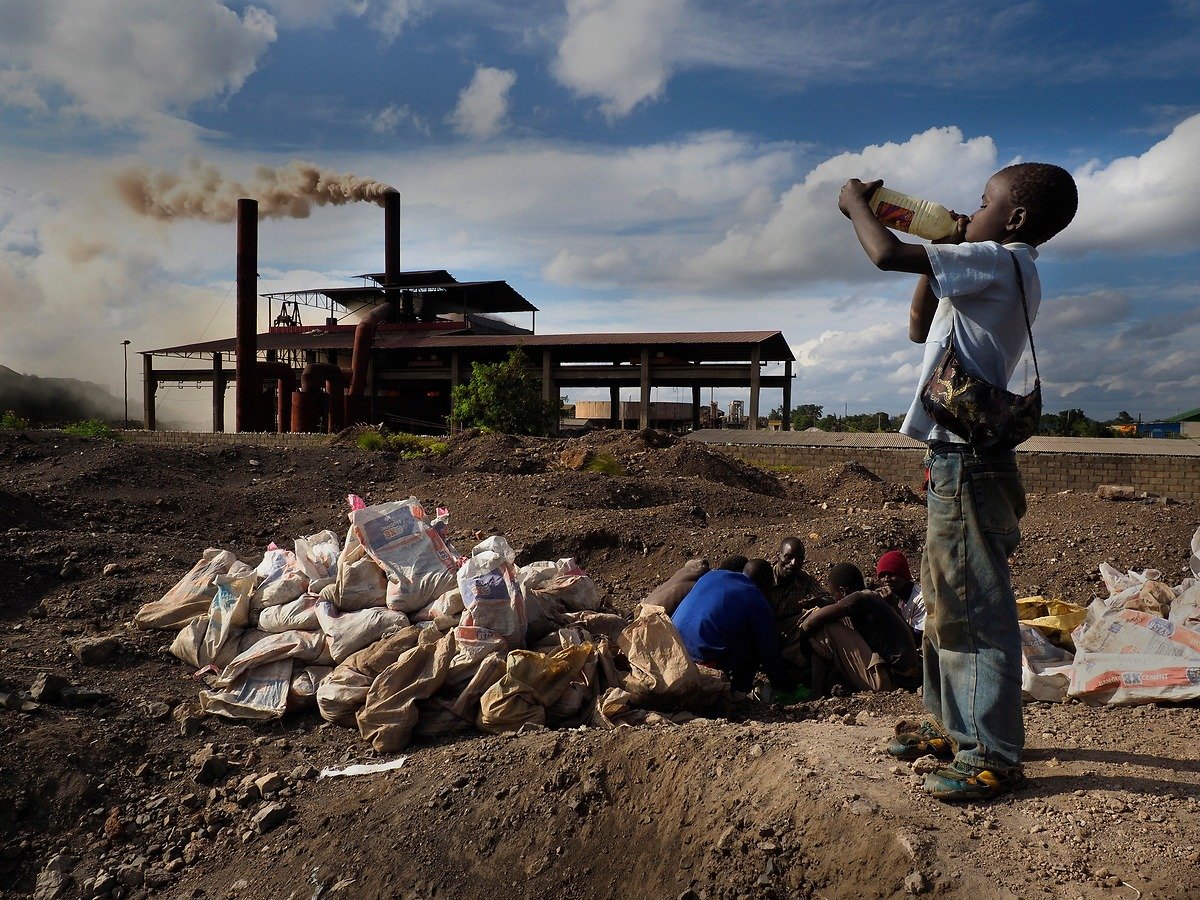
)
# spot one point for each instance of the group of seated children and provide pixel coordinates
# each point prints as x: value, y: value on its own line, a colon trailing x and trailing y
x: 749, y: 616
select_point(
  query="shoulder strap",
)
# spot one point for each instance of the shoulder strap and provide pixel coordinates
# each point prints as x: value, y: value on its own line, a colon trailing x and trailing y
x: 1025, y: 309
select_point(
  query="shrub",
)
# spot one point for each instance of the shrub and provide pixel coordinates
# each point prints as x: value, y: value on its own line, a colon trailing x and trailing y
x: 10, y: 419
x: 504, y: 397
x: 91, y: 428
x: 369, y: 440
x: 605, y: 464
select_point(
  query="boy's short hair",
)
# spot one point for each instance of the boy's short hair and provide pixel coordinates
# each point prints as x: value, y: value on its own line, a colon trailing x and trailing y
x: 734, y: 563
x: 1049, y: 195
x: 759, y: 571
x: 847, y: 577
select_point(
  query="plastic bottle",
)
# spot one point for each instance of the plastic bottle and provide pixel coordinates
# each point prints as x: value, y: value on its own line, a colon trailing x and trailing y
x: 911, y: 215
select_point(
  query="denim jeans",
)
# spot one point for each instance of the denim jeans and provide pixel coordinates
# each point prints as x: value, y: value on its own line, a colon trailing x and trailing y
x: 972, y: 645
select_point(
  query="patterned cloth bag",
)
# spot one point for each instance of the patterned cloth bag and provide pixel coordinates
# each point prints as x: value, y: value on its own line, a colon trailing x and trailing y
x: 987, y: 417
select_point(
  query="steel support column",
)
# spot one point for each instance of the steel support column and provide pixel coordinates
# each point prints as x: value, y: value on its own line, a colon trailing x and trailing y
x: 644, y: 411
x: 149, y: 387
x: 755, y: 387
x: 787, y: 395
x: 218, y: 394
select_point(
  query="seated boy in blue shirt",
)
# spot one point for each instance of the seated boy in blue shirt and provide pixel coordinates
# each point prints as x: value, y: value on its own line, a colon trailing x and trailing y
x: 726, y: 623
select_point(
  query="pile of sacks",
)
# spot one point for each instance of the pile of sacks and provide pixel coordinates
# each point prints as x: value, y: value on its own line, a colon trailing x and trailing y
x: 1140, y: 644
x: 395, y: 634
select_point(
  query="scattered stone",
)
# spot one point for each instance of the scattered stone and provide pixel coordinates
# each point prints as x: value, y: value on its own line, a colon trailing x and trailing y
x: 575, y: 459
x: 112, y: 569
x: 1116, y: 492
x: 133, y: 873
x: 916, y: 883
x: 55, y: 880
x: 48, y: 688
x: 114, y: 828
x: 94, y: 649
x: 156, y: 709
x: 271, y: 816
x: 211, y: 765
x: 863, y: 718
x: 271, y: 783
x: 104, y: 884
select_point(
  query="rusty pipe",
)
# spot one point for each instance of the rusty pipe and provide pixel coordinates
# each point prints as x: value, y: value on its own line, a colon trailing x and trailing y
x: 318, y: 381
x: 286, y: 378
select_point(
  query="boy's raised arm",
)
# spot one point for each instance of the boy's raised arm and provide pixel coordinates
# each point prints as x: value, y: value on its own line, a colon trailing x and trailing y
x: 883, y: 248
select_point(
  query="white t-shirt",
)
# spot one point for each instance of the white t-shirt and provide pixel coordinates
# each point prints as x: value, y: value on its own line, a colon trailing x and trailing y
x: 979, y: 301
x: 913, y: 609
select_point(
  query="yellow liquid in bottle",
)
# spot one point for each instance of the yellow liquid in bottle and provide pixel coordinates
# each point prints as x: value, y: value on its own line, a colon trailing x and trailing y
x: 911, y: 215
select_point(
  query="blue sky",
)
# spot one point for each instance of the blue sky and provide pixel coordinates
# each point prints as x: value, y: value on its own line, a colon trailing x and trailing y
x: 626, y: 164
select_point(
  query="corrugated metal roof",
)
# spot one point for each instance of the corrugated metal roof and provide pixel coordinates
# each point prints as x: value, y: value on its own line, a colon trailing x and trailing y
x: 436, y: 298
x: 773, y: 345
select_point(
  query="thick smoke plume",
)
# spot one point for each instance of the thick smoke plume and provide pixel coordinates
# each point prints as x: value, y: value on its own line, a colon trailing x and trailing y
x: 202, y: 192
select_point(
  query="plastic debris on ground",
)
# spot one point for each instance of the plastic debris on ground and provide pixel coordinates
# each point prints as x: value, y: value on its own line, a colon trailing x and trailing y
x: 364, y: 768
x: 1141, y: 644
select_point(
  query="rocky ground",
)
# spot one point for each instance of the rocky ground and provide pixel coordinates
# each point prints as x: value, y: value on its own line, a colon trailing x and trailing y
x: 113, y: 787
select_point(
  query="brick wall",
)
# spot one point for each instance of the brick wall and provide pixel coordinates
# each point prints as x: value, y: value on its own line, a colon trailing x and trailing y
x: 1043, y: 473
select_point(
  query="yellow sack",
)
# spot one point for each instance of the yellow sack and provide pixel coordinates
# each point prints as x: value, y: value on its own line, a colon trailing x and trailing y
x: 1054, y: 618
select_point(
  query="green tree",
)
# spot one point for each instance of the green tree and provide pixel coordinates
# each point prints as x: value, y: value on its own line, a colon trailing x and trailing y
x: 506, y: 397
x: 806, y: 416
x: 1072, y: 423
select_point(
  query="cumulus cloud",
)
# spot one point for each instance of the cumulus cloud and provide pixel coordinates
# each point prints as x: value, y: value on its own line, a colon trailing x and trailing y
x: 389, y: 119
x: 388, y: 17
x: 618, y: 51
x: 483, y: 104
x: 122, y: 60
x: 801, y: 236
x: 1140, y: 203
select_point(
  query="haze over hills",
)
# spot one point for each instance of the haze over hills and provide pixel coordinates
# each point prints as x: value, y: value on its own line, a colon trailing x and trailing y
x: 57, y: 401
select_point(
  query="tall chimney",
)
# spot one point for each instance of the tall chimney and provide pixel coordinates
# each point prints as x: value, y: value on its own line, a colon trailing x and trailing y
x: 391, y: 237
x: 245, y: 404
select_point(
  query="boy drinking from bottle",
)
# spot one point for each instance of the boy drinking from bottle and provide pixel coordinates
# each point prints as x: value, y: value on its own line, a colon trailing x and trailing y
x: 969, y: 289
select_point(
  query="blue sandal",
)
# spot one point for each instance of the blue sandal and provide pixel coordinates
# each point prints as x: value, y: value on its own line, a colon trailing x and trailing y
x: 959, y: 783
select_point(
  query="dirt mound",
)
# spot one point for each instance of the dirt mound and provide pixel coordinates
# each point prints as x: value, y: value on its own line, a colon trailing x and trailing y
x: 775, y: 802
x: 698, y: 461
x: 852, y: 484
x: 504, y: 454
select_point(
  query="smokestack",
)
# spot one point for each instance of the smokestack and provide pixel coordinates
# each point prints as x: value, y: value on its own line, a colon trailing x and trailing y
x: 246, y: 342
x: 391, y: 237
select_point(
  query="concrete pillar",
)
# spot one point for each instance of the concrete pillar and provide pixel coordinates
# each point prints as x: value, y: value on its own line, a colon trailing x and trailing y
x: 218, y: 395
x: 695, y: 407
x: 149, y: 387
x: 644, y: 412
x: 787, y: 395
x: 549, y: 389
x: 755, y: 387
x: 615, y: 420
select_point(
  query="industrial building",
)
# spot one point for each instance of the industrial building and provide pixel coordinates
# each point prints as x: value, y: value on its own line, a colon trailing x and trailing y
x: 418, y: 335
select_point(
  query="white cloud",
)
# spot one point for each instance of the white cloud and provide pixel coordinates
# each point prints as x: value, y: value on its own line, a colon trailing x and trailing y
x: 389, y: 119
x: 1140, y: 203
x: 388, y: 17
x: 618, y: 50
x: 801, y: 236
x: 483, y: 104
x: 122, y: 60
